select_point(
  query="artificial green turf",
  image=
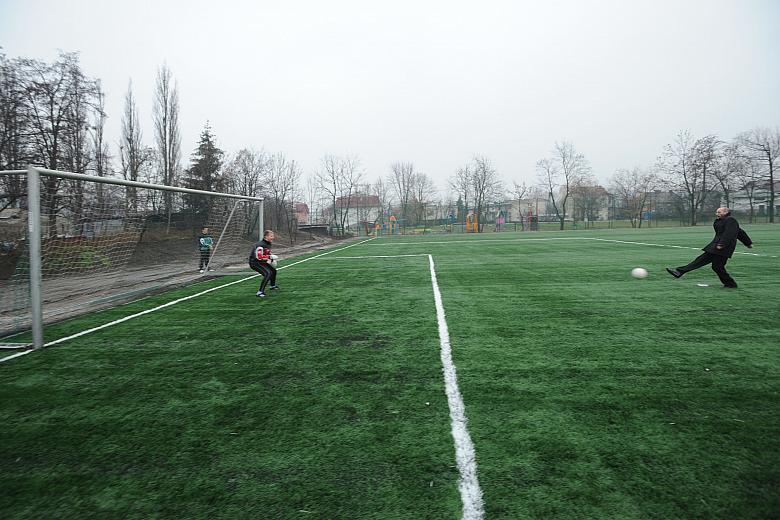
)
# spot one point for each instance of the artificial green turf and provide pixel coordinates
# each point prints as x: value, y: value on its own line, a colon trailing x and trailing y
x: 299, y: 405
x: 588, y: 393
x: 591, y: 394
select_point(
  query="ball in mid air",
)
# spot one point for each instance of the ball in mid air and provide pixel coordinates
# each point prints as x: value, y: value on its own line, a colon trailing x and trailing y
x: 639, y: 272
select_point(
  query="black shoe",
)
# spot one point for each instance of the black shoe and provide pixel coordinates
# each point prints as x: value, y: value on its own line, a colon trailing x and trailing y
x: 674, y: 272
x: 260, y: 294
x: 274, y: 287
x: 730, y: 286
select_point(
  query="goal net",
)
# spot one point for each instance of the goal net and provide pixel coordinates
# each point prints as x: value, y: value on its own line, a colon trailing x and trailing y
x: 83, y: 243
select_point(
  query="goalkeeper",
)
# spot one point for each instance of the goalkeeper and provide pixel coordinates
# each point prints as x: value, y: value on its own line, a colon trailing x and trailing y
x: 264, y: 262
x: 205, y: 241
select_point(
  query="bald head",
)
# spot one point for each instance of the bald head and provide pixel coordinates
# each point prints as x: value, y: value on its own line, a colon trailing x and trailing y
x: 722, y: 212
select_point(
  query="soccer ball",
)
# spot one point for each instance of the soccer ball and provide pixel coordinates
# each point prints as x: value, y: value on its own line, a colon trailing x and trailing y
x: 639, y: 272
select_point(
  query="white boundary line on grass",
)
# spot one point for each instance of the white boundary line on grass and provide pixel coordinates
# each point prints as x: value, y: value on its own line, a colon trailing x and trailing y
x: 470, y: 493
x: 676, y: 247
x: 479, y: 241
x: 174, y: 302
x: 504, y: 240
x: 465, y: 456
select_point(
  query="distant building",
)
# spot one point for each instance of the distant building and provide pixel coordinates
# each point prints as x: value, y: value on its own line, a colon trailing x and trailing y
x: 355, y: 210
x: 517, y: 210
x: 758, y: 193
x: 302, y: 213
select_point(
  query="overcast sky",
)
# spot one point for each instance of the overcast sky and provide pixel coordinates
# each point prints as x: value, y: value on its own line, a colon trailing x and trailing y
x: 430, y: 82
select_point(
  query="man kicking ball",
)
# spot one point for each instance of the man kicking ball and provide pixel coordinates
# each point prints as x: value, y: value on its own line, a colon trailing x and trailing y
x: 719, y: 250
x: 260, y: 260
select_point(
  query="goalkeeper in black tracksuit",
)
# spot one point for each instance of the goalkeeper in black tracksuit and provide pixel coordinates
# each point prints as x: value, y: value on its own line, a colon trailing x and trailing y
x: 260, y: 261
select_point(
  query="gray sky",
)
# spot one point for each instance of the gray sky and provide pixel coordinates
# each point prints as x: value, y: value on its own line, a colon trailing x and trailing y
x: 431, y: 82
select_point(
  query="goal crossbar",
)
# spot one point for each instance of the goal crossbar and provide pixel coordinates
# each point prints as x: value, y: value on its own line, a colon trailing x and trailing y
x: 123, y: 182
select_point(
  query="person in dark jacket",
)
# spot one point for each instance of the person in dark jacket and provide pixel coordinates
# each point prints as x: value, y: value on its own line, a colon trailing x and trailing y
x: 719, y: 250
x: 260, y: 260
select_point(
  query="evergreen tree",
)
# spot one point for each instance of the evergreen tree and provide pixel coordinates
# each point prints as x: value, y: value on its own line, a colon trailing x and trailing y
x: 204, y: 173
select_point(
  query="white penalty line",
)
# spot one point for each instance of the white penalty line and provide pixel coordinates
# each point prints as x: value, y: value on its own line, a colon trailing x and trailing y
x: 675, y: 247
x: 174, y: 302
x: 465, y: 456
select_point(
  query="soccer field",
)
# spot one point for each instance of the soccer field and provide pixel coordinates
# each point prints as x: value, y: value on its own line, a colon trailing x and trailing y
x: 571, y: 390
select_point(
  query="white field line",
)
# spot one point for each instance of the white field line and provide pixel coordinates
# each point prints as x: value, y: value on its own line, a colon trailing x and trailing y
x: 478, y: 241
x: 470, y: 492
x: 174, y: 302
x: 374, y: 256
x: 18, y: 354
x: 465, y: 457
x: 505, y: 240
x: 676, y: 247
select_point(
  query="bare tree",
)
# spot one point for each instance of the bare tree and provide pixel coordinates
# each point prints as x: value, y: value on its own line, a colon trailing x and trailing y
x: 14, y: 149
x: 57, y: 99
x: 339, y: 178
x: 154, y: 199
x: 731, y: 168
x: 748, y: 179
x: 633, y: 189
x: 131, y: 149
x: 763, y: 145
x: 519, y: 192
x: 550, y: 181
x: 424, y: 193
x: 461, y: 185
x: 706, y: 159
x: 486, y: 186
x: 565, y: 171
x: 687, y: 165
x: 383, y: 192
x: 166, y: 132
x: 402, y: 176
x: 244, y: 175
x: 312, y: 196
x: 101, y: 158
x: 589, y: 199
x: 282, y: 184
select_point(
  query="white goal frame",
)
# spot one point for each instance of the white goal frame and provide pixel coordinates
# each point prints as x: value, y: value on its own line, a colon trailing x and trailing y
x: 34, y: 227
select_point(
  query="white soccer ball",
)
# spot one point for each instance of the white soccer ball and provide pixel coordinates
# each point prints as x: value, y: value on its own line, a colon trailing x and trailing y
x: 639, y: 272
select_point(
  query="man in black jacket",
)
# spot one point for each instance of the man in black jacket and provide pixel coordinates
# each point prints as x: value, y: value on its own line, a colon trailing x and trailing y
x: 718, y: 252
x: 260, y: 260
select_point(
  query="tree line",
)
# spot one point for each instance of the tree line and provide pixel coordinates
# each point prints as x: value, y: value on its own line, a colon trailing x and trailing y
x: 53, y: 115
x: 692, y: 170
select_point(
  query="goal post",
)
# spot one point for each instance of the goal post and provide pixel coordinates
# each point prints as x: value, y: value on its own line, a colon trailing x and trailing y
x: 73, y: 243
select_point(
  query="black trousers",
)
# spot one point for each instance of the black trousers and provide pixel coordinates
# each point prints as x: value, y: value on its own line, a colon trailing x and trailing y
x: 718, y: 265
x: 266, y: 270
x: 205, y: 256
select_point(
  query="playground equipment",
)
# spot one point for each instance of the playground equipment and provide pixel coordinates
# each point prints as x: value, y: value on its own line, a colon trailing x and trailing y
x: 472, y: 225
x: 393, y: 225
